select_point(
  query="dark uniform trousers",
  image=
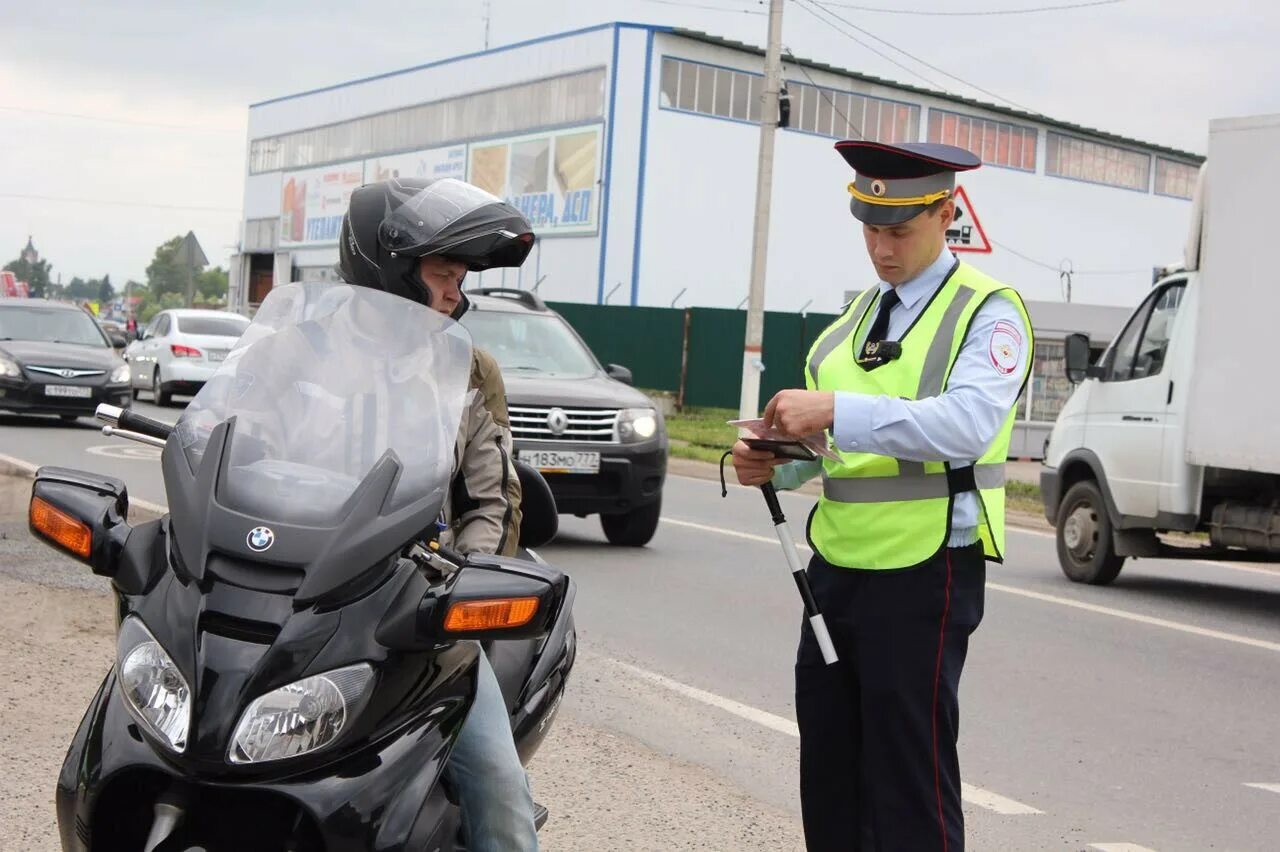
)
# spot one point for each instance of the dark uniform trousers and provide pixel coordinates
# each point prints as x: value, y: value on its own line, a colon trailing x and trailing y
x: 878, y: 765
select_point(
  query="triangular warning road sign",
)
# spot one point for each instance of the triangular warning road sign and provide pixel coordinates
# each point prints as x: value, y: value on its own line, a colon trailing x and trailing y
x: 965, y: 233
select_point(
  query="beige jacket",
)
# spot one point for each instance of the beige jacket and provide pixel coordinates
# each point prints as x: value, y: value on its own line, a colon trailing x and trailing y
x: 483, y: 509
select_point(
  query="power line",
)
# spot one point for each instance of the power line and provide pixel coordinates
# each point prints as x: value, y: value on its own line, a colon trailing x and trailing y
x: 823, y: 92
x: 118, y: 203
x: 942, y: 71
x: 981, y: 13
x: 709, y: 8
x: 1059, y: 268
x: 82, y: 117
x: 802, y: 5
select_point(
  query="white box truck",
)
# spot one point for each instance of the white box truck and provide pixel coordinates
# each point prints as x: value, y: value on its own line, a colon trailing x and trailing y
x: 1177, y: 427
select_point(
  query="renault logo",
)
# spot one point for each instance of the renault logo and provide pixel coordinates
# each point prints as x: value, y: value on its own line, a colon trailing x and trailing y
x: 260, y: 539
x: 557, y: 421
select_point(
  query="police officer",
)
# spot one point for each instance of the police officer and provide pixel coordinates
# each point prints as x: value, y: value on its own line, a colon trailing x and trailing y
x: 916, y: 383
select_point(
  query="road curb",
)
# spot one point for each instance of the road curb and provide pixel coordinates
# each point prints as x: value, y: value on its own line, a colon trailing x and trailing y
x: 139, y: 510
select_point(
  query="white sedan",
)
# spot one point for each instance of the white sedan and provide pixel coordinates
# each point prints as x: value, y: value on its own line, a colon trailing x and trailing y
x: 180, y: 349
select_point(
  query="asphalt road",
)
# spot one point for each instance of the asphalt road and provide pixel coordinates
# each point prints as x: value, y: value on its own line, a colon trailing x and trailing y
x: 1137, y: 716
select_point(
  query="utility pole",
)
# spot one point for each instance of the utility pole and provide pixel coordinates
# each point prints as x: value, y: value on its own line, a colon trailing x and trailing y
x: 751, y: 350
x: 486, y: 24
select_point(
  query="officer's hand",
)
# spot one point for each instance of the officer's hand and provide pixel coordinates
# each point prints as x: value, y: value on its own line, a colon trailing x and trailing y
x: 754, y: 467
x: 797, y: 413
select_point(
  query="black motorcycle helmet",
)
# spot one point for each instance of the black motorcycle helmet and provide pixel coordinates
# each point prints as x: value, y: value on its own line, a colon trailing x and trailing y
x: 391, y: 224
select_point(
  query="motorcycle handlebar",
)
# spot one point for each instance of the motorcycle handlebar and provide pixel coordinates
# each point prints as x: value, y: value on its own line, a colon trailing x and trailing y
x: 145, y: 425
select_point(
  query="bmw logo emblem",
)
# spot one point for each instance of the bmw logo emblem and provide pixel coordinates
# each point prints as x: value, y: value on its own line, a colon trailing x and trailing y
x: 260, y: 539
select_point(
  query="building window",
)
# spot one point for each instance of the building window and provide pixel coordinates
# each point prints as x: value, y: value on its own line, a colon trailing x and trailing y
x: 705, y: 89
x: 1175, y: 178
x: 859, y: 117
x: 1095, y: 162
x: 998, y: 143
x: 568, y: 99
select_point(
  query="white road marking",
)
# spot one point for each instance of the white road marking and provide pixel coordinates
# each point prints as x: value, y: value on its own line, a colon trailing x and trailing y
x: 1040, y: 596
x: 722, y: 531
x: 994, y: 801
x: 1141, y: 619
x: 124, y: 451
x: 1119, y: 847
x: 973, y: 795
x: 1270, y: 788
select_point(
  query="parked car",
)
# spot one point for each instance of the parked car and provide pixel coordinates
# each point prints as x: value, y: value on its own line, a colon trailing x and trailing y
x: 601, y: 444
x: 55, y: 359
x: 180, y: 349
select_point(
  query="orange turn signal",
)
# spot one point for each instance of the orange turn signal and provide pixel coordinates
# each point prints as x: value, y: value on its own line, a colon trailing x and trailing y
x: 490, y: 614
x: 60, y: 528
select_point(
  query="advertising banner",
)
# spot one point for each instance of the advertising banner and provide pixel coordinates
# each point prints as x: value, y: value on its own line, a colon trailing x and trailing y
x: 313, y: 200
x: 432, y: 163
x: 551, y: 177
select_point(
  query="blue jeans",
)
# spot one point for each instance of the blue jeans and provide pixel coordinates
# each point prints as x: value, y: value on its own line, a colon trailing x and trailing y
x: 493, y: 790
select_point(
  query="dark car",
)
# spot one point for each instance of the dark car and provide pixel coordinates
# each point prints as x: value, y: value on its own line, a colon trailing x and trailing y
x: 56, y: 359
x: 600, y: 444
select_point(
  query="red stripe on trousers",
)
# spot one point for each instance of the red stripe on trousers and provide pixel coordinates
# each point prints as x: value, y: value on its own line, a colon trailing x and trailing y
x: 937, y: 678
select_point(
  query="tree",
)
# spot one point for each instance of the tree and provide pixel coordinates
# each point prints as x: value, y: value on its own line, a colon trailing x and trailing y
x: 106, y: 292
x: 212, y: 284
x: 35, y: 274
x: 80, y: 289
x: 165, y: 274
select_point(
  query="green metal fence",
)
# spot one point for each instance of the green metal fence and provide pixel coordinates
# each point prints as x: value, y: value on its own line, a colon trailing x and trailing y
x: 695, y: 353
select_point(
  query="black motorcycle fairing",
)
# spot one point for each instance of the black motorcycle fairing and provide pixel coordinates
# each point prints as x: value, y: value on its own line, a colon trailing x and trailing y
x: 235, y: 645
x: 330, y: 559
x: 387, y: 797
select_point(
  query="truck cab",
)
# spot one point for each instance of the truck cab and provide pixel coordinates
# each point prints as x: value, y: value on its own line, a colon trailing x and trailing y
x: 1170, y: 431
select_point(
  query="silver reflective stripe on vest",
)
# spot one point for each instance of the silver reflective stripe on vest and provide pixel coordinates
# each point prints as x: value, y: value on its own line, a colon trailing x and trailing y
x: 938, y: 358
x: 893, y: 489
x: 839, y: 334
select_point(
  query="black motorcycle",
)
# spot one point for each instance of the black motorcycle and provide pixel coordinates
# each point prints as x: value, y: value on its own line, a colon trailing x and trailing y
x: 296, y: 653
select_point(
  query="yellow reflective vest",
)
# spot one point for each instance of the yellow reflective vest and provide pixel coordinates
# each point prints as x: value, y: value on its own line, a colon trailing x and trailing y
x: 878, y: 512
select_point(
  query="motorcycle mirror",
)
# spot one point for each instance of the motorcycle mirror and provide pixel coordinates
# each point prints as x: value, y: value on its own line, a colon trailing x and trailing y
x: 81, y: 513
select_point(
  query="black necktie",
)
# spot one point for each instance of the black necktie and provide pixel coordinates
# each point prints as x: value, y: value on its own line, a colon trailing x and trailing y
x: 880, y: 327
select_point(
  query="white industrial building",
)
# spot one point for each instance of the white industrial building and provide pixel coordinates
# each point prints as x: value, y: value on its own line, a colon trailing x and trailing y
x: 633, y: 150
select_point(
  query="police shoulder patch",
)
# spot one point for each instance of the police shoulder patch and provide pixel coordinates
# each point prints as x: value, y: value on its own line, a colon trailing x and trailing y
x: 1004, y: 348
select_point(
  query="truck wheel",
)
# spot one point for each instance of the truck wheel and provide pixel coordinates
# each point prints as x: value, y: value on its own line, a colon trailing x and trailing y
x: 1086, y: 548
x: 635, y: 528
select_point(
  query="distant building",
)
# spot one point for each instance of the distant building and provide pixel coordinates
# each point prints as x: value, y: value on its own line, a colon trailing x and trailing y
x: 633, y: 150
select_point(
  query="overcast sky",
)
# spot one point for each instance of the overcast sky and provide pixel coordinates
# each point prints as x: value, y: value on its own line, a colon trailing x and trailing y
x: 144, y: 104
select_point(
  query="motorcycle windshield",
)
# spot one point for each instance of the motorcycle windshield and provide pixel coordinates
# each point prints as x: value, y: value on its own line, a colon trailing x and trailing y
x: 325, y: 380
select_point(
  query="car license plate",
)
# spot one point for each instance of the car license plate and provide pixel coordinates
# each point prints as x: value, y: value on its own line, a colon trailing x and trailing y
x: 562, y: 461
x: 68, y: 390
x: 217, y: 355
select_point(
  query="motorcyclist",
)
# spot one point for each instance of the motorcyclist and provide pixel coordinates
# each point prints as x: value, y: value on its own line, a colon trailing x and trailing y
x: 417, y: 238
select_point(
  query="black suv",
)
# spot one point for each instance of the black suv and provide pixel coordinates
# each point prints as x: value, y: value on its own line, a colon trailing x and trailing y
x: 600, y: 443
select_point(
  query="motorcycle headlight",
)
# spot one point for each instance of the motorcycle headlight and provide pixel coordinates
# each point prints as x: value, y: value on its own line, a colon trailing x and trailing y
x: 637, y: 424
x: 154, y: 689
x: 299, y: 718
x: 120, y: 374
x: 9, y: 368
